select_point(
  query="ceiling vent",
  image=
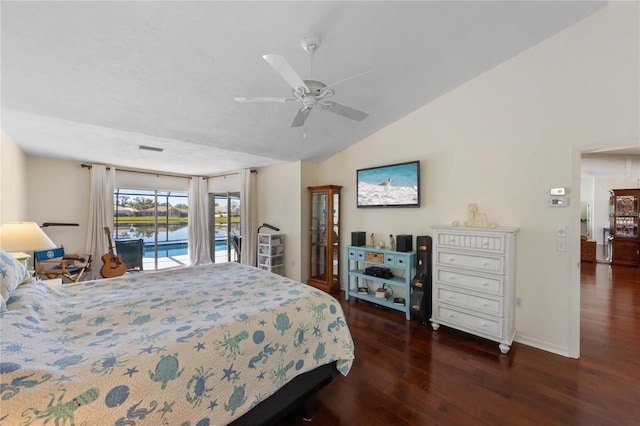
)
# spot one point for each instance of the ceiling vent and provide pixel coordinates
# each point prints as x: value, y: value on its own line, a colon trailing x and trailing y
x: 150, y: 148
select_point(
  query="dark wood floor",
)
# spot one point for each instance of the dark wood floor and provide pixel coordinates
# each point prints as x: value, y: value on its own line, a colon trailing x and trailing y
x: 407, y: 374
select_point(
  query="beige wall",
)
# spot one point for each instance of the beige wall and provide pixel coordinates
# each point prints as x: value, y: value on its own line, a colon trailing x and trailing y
x: 59, y: 192
x: 13, y: 182
x: 279, y: 196
x: 502, y: 140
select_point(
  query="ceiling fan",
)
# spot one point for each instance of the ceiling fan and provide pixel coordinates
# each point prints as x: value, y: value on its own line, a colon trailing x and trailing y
x: 309, y: 92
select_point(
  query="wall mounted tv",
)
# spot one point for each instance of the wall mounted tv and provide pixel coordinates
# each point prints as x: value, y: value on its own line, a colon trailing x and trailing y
x: 395, y: 185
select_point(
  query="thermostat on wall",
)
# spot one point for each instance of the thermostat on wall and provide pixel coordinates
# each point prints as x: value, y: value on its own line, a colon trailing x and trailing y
x: 558, y: 191
x: 558, y: 201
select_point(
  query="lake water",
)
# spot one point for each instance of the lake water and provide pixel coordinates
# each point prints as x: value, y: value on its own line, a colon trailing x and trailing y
x: 172, y: 241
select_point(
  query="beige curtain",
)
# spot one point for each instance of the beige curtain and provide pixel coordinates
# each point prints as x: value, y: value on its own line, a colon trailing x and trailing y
x: 248, y: 216
x: 199, y: 240
x: 100, y: 215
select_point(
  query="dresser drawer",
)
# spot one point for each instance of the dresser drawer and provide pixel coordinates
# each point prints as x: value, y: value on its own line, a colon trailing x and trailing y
x: 352, y: 254
x: 469, y: 301
x: 447, y: 315
x: 493, y: 285
x: 479, y: 263
x: 390, y: 259
x: 488, y: 243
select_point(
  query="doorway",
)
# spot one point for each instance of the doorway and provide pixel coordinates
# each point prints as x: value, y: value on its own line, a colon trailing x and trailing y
x: 588, y: 191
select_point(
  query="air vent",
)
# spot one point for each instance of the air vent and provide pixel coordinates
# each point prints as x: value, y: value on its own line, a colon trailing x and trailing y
x: 150, y: 148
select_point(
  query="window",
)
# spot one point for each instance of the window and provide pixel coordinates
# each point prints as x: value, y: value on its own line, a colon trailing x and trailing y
x: 160, y: 218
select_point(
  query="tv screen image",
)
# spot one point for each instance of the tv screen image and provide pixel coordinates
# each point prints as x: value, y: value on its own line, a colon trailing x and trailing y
x: 395, y: 185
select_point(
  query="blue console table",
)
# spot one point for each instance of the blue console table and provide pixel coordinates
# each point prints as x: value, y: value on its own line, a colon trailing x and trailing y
x: 401, y: 264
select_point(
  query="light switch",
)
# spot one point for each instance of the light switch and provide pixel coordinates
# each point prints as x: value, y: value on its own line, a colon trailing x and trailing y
x: 561, y: 245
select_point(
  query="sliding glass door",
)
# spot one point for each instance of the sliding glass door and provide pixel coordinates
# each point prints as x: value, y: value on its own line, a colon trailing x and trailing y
x: 225, y: 230
x: 160, y: 218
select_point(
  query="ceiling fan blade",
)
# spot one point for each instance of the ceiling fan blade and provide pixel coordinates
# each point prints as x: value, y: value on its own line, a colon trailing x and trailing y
x: 345, y: 111
x: 301, y: 117
x: 285, y: 70
x: 348, y: 78
x: 243, y: 99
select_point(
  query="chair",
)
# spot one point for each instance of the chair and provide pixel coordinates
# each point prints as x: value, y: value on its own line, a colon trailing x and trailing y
x: 236, y: 242
x: 131, y: 252
x: 56, y: 264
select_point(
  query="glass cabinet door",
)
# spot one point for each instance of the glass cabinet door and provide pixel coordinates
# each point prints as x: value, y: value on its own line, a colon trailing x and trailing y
x: 626, y: 218
x: 324, y: 238
x: 336, y: 238
x: 319, y: 235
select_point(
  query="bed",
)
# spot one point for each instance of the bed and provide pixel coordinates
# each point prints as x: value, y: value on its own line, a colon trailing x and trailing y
x: 205, y: 345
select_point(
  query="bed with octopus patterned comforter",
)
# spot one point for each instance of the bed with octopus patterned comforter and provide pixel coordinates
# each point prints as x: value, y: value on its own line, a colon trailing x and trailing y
x: 190, y: 346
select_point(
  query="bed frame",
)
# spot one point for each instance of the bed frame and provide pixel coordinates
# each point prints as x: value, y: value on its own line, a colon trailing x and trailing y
x: 298, y: 393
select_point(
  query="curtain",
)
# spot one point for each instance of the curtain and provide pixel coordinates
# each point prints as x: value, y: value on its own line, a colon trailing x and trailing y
x: 199, y: 247
x: 100, y: 215
x: 248, y: 216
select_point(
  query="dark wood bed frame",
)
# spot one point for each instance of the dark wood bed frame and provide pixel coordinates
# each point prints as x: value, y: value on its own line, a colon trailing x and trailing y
x: 299, y: 393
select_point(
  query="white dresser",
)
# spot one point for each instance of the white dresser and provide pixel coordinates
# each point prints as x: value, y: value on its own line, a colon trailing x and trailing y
x: 474, y: 281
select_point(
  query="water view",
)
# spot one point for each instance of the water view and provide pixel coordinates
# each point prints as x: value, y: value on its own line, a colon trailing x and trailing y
x: 172, y: 239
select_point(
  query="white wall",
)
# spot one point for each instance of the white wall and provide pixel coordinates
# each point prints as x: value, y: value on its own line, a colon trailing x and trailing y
x: 502, y: 140
x: 279, y: 195
x: 59, y: 192
x: 13, y: 183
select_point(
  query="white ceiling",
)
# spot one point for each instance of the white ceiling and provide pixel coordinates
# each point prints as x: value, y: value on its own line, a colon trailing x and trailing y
x: 90, y: 81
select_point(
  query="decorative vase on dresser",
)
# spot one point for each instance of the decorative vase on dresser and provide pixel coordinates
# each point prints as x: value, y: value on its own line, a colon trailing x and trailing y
x: 474, y: 281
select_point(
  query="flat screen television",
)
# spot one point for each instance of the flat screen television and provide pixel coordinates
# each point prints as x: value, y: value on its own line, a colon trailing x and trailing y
x: 395, y: 185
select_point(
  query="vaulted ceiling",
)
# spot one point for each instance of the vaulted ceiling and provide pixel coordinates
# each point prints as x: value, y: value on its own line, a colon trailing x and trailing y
x: 92, y: 81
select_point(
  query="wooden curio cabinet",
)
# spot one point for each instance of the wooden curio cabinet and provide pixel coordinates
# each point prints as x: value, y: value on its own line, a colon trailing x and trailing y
x: 624, y: 217
x: 324, y: 237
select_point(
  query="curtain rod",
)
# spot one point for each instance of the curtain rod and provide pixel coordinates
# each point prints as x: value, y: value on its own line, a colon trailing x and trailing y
x: 88, y: 166
x: 231, y: 174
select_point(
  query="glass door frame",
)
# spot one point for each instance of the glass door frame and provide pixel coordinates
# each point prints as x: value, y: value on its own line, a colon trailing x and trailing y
x: 232, y: 210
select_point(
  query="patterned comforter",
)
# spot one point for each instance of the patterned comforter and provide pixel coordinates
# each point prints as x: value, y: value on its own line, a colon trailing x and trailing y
x: 191, y: 346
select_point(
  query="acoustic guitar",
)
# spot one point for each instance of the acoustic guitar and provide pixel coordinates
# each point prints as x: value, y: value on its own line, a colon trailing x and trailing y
x: 112, y: 266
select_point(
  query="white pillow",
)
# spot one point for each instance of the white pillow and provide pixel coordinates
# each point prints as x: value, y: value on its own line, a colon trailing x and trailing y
x: 12, y: 274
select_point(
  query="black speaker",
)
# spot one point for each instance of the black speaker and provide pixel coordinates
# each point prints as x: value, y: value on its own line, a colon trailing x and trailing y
x: 421, y: 284
x: 423, y: 255
x: 358, y: 239
x: 404, y: 242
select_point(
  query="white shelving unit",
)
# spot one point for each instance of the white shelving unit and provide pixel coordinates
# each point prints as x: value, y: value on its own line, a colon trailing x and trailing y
x: 271, y: 253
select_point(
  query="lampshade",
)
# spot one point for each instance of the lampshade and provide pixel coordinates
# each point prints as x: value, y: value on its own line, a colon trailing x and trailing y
x: 28, y: 236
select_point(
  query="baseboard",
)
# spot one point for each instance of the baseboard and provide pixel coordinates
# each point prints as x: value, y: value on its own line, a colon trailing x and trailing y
x: 545, y: 346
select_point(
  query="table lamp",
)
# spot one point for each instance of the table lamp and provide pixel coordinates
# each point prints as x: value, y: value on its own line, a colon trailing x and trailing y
x: 17, y: 237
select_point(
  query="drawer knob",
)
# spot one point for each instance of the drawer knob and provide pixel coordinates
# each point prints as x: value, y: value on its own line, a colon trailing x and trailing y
x: 485, y: 284
x: 451, y: 297
x: 450, y: 315
x: 485, y: 304
x: 485, y: 263
x: 484, y: 324
x: 452, y: 278
x: 451, y: 259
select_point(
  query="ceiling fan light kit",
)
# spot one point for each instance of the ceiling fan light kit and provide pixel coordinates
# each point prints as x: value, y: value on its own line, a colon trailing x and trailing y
x: 308, y: 92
